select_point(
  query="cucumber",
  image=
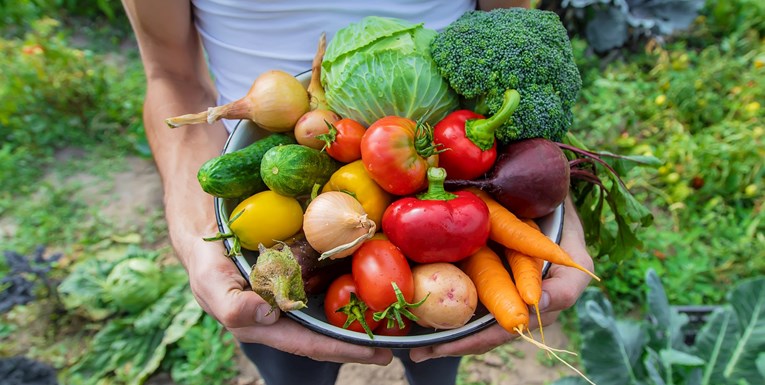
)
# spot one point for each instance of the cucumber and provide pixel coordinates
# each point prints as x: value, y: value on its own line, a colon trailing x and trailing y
x: 237, y: 173
x: 293, y: 169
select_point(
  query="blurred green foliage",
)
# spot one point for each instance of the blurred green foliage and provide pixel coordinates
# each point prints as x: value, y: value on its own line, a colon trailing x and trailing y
x: 696, y: 105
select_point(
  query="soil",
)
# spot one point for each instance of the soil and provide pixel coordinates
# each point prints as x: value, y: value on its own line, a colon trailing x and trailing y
x: 137, y: 191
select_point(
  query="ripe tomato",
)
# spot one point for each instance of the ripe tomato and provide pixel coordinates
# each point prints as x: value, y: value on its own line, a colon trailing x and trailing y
x: 375, y: 266
x: 390, y: 327
x: 344, y: 140
x: 345, y: 311
x: 397, y: 153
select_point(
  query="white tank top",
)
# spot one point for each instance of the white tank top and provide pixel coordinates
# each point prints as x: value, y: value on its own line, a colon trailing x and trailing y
x: 243, y: 38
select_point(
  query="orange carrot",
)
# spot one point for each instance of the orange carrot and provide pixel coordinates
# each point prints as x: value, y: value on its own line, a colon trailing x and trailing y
x: 499, y: 294
x: 496, y: 289
x: 527, y: 273
x: 509, y: 231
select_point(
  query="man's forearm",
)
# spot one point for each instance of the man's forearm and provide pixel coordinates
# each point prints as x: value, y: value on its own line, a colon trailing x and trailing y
x: 178, y: 154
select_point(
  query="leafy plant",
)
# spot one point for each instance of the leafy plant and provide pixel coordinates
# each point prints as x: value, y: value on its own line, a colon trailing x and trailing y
x: 597, y: 189
x: 204, y: 356
x: 128, y: 350
x: 610, y: 24
x: 654, y: 350
x: 89, y: 290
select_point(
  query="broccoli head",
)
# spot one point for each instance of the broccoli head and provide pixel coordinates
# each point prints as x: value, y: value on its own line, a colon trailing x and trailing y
x: 483, y: 54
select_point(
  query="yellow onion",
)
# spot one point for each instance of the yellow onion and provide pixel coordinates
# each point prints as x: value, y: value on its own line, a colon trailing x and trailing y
x: 335, y: 224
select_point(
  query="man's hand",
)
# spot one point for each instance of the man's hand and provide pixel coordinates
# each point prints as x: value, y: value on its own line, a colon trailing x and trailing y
x: 222, y: 292
x: 560, y: 290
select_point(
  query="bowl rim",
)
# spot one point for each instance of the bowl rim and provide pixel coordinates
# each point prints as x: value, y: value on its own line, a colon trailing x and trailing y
x: 322, y: 327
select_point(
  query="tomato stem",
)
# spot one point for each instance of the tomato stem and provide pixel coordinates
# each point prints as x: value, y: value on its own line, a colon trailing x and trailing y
x: 400, y: 307
x: 423, y: 140
x: 354, y: 311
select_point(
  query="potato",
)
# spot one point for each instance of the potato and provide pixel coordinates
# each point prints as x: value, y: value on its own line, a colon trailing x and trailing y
x: 452, y: 300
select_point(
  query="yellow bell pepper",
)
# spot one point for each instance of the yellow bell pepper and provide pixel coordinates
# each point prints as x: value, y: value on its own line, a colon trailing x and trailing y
x: 353, y: 178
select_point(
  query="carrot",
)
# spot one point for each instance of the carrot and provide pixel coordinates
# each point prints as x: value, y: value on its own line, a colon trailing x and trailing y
x: 509, y: 231
x: 499, y: 294
x: 496, y: 289
x: 527, y: 273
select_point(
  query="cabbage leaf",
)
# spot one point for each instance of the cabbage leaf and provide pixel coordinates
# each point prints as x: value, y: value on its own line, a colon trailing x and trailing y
x: 381, y: 67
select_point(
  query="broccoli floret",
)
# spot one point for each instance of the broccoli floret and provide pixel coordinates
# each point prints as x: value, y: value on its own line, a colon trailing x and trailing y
x: 483, y: 54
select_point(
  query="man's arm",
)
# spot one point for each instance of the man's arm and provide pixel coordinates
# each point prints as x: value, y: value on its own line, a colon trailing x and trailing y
x: 178, y: 83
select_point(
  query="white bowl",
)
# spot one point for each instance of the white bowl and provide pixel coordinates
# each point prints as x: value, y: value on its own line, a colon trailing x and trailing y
x: 313, y: 316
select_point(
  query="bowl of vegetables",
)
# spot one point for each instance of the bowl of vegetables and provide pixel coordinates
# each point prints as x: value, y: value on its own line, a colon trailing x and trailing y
x: 318, y: 275
x: 364, y: 224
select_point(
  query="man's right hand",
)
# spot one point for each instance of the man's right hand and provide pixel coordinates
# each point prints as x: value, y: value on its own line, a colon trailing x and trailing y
x: 223, y: 293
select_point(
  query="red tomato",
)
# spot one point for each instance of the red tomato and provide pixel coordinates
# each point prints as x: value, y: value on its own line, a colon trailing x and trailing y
x: 397, y: 153
x: 375, y: 266
x: 390, y: 328
x: 339, y: 307
x: 344, y: 140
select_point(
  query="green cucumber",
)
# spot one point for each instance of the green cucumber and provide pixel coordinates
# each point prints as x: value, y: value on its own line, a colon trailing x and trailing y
x: 292, y: 170
x: 237, y: 173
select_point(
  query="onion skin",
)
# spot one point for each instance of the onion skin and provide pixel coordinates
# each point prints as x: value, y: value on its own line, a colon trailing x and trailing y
x: 275, y: 102
x: 530, y: 178
x: 335, y: 224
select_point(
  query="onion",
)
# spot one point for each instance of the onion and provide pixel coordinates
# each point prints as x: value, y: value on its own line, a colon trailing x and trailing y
x: 275, y: 102
x: 336, y: 224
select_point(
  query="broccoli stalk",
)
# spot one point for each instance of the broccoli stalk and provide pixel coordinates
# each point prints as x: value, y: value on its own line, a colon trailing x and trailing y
x: 481, y: 131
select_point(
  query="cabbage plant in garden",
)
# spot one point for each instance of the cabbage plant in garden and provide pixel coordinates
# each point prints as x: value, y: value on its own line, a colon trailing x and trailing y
x: 729, y: 348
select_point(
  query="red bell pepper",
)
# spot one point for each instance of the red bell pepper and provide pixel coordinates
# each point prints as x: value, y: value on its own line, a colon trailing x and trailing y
x: 437, y: 226
x: 467, y: 142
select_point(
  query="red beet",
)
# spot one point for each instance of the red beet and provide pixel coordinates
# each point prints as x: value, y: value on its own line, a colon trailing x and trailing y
x: 530, y: 178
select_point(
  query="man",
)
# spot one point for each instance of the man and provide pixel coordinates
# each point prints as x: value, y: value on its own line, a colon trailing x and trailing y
x: 242, y: 39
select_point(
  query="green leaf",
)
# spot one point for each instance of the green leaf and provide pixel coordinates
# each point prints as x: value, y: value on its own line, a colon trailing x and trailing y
x: 734, y: 336
x: 181, y: 323
x: 748, y: 301
x: 610, y: 350
x: 715, y: 342
x: 654, y: 366
x: 677, y: 357
x: 669, y: 322
x: 761, y: 364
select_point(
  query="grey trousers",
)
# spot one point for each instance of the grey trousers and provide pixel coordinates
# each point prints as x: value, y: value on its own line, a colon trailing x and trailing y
x: 280, y: 368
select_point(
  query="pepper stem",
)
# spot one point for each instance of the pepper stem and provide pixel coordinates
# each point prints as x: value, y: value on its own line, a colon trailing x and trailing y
x: 481, y: 131
x: 436, y: 191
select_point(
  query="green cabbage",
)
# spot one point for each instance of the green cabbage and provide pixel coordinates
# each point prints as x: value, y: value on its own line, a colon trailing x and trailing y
x: 134, y: 284
x: 382, y: 66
